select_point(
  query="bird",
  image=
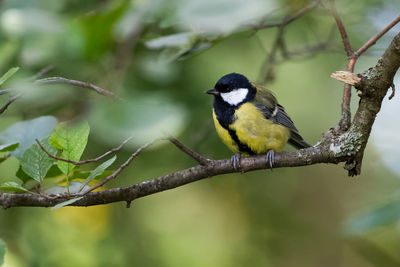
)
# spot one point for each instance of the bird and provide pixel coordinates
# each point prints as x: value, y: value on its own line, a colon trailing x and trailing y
x: 249, y: 120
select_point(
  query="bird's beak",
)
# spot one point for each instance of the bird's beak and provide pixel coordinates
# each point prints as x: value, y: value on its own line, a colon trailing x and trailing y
x: 212, y: 92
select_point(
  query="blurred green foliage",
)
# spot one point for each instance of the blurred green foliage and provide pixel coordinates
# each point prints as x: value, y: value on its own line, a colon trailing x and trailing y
x: 159, y: 56
x: 2, y: 251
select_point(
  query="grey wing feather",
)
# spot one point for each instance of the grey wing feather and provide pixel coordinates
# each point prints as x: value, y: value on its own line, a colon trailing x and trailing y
x: 278, y: 115
x: 283, y: 118
x: 267, y: 103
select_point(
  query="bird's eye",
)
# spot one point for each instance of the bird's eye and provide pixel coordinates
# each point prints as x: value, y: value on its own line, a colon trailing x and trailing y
x: 226, y: 89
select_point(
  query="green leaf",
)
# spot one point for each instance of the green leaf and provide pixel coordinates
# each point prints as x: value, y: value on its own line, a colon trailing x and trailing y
x: 8, y: 75
x: 183, y: 39
x: 9, y: 147
x: 54, y: 171
x: 35, y: 162
x: 3, y: 249
x: 98, y: 171
x: 382, y: 216
x: 71, y: 139
x: 65, y: 203
x: 12, y: 187
x: 26, y: 132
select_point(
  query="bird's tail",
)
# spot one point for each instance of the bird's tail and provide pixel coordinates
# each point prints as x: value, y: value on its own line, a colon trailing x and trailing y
x: 297, y: 141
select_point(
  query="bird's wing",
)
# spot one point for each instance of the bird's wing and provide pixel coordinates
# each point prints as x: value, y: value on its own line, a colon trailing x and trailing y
x: 266, y: 102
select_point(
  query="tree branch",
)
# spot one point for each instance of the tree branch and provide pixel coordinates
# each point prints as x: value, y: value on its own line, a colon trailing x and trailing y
x: 375, y: 38
x: 42, y: 72
x: 215, y: 167
x: 4, y: 91
x: 288, y: 19
x: 345, y: 120
x: 11, y: 100
x: 55, y: 80
x: 267, y: 73
x: 374, y: 85
x: 118, y: 148
x: 271, y: 61
x: 61, y: 80
x: 196, y: 156
x: 8, y: 90
x: 342, y: 30
x: 119, y: 170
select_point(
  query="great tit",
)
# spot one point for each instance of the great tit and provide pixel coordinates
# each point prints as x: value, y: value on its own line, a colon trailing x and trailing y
x: 249, y: 119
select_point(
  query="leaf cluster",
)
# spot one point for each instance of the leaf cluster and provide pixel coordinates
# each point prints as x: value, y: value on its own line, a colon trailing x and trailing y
x: 37, y: 170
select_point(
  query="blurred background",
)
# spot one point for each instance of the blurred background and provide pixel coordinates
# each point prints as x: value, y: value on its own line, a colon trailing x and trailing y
x: 159, y: 56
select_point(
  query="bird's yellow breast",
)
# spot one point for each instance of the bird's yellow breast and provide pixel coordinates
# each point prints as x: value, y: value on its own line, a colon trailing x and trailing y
x: 224, y: 135
x: 253, y: 130
x: 257, y: 132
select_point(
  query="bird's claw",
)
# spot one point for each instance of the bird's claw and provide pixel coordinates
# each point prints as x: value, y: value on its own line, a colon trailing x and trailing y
x: 270, y: 157
x: 235, y: 159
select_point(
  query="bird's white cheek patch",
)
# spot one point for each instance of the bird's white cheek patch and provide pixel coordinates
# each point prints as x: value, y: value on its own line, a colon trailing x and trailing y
x: 235, y: 97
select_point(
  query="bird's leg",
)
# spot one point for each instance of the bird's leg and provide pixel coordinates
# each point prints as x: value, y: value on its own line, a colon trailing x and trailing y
x: 270, y: 157
x: 235, y: 159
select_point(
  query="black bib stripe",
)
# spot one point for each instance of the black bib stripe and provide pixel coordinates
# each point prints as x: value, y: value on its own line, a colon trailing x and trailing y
x: 242, y: 147
x: 225, y: 115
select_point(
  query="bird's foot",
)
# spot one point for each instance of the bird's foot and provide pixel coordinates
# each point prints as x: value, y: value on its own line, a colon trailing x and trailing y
x: 235, y: 159
x: 270, y: 157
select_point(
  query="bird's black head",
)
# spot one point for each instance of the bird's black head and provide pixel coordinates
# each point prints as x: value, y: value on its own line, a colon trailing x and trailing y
x: 232, y: 81
x: 233, y: 89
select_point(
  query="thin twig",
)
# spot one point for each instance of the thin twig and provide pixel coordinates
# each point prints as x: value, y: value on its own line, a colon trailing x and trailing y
x: 267, y: 69
x: 271, y: 61
x: 342, y: 30
x: 118, y: 148
x: 42, y: 72
x: 196, y: 156
x: 5, y: 91
x: 125, y: 50
x: 61, y: 80
x: 345, y: 119
x: 3, y: 108
x: 311, y: 50
x: 373, y: 40
x: 118, y: 171
x: 288, y: 19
